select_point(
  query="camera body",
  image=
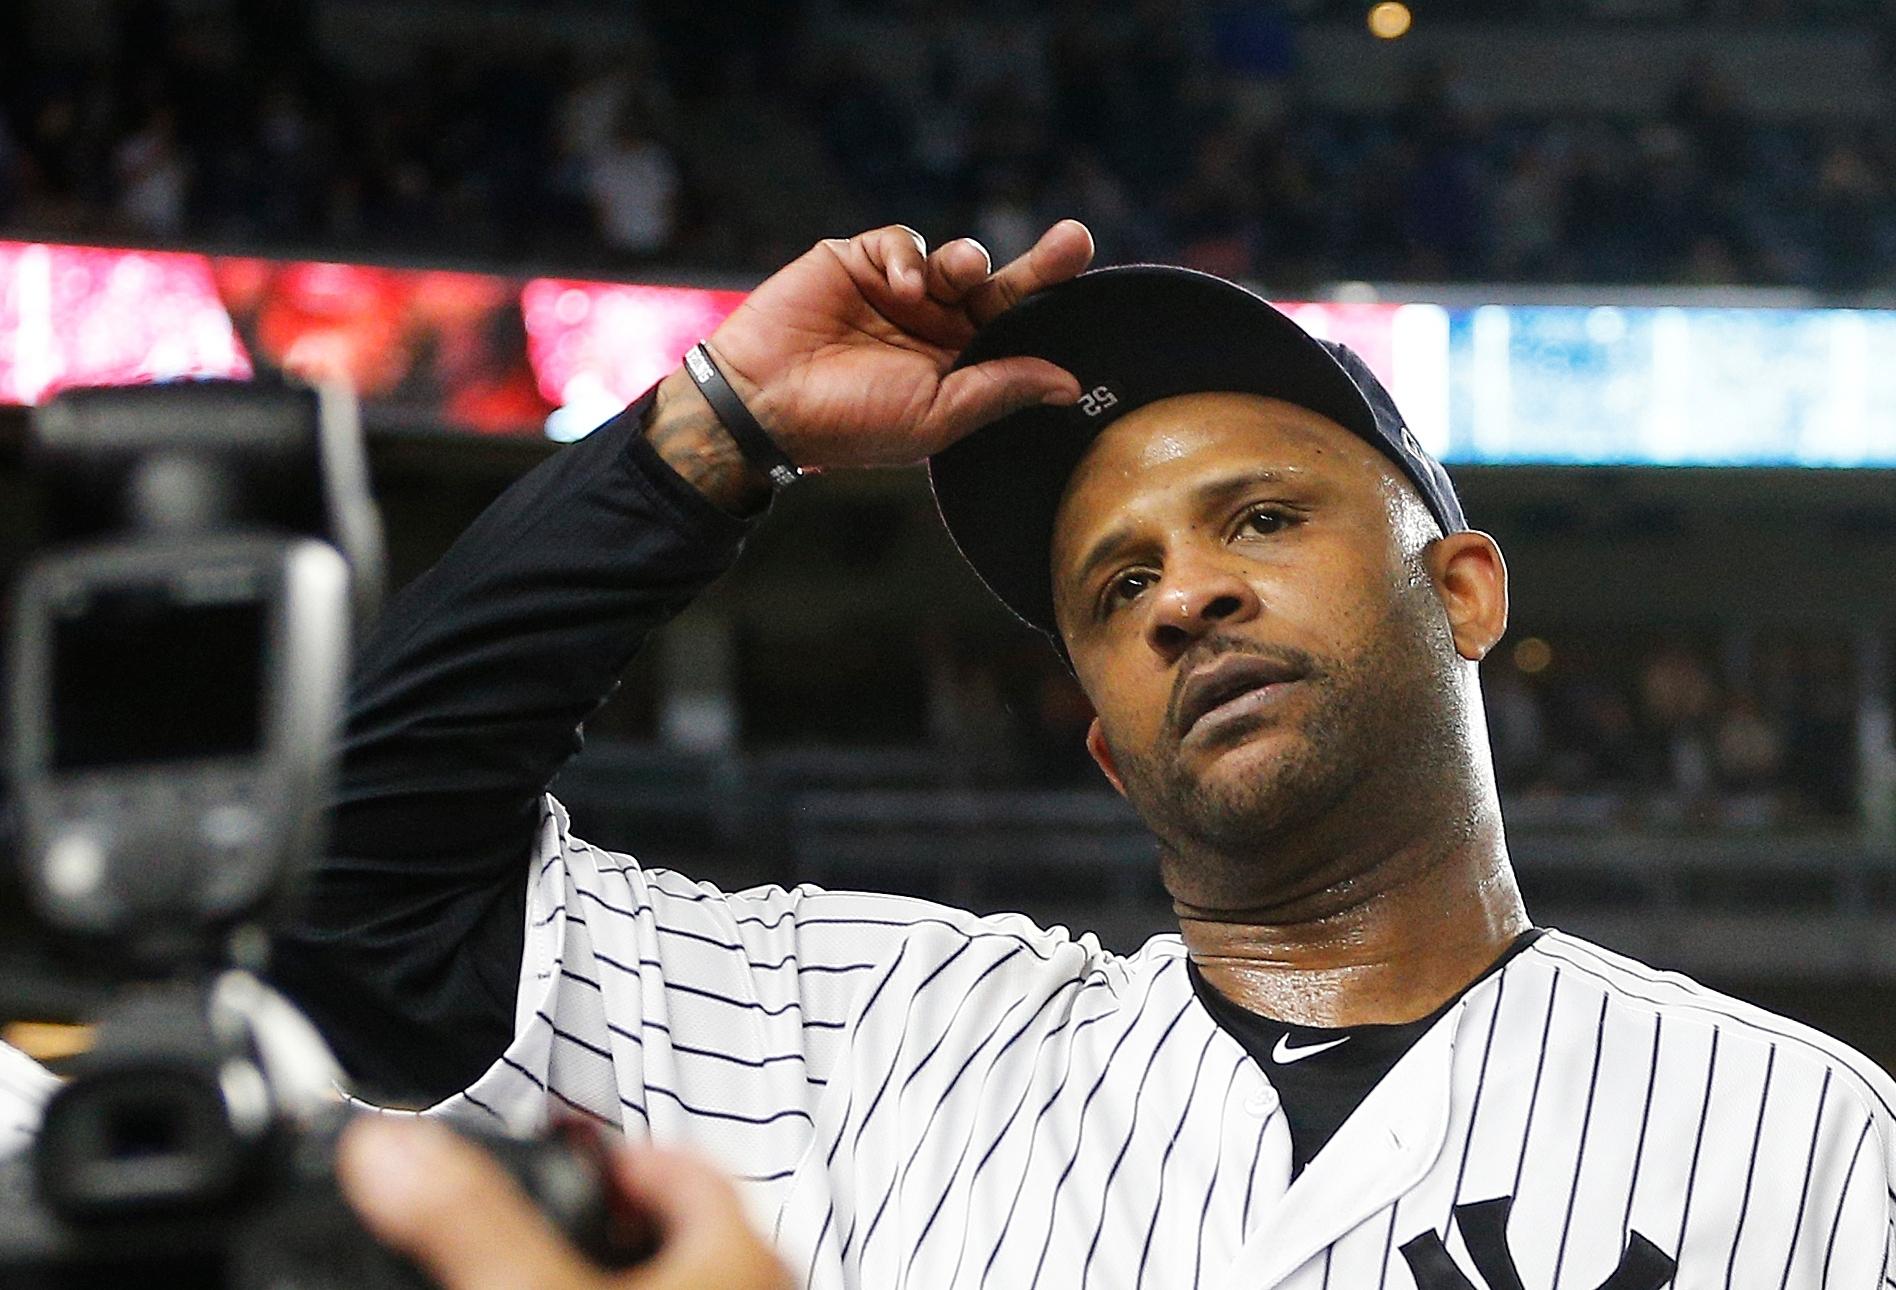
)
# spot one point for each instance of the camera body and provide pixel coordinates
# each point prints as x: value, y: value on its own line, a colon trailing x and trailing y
x: 177, y: 663
x: 171, y: 703
x: 177, y: 656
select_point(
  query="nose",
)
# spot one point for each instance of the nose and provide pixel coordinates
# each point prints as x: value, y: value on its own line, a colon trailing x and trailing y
x: 1195, y: 597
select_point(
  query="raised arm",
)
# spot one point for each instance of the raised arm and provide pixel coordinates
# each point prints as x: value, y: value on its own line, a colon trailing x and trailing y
x: 468, y: 698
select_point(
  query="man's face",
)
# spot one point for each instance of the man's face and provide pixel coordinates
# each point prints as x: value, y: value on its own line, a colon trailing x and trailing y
x: 1241, y: 588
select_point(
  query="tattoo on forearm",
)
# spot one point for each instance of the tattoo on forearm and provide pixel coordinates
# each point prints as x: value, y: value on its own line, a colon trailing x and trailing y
x: 685, y: 432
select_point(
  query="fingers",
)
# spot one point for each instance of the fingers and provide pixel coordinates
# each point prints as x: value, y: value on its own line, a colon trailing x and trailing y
x: 1062, y: 252
x: 956, y: 268
x: 898, y: 254
x: 974, y: 396
x: 959, y: 275
x: 706, y: 1238
x: 446, y: 1204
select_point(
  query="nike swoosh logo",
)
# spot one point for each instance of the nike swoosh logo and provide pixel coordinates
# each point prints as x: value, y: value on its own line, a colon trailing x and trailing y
x: 1284, y: 1054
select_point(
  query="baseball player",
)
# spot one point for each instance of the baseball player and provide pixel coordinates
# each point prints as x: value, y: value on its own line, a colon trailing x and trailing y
x: 1358, y: 1064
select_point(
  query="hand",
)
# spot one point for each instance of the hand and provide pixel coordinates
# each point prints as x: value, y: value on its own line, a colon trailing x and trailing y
x: 843, y: 355
x: 444, y: 1203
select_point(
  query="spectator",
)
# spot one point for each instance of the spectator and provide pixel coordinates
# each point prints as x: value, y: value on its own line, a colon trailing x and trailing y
x: 151, y: 176
x: 633, y: 183
x: 1677, y: 698
x: 1850, y: 198
x: 1215, y: 217
x: 1183, y: 124
x: 1516, y: 726
x: 1527, y: 215
x: 12, y: 173
x: 1749, y: 747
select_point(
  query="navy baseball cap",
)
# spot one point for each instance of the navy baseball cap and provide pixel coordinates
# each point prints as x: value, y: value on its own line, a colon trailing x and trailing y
x: 1134, y: 335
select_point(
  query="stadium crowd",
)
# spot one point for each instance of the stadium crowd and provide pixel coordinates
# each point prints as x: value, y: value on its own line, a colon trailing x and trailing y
x: 230, y: 121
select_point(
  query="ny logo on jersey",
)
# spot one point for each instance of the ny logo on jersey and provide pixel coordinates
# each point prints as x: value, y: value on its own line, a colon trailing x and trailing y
x: 1484, y: 1229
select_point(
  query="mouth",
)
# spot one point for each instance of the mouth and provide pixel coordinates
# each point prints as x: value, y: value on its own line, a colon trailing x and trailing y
x: 1231, y: 689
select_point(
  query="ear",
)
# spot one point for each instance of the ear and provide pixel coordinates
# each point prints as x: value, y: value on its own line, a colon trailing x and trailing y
x: 1471, y: 579
x: 1096, y: 744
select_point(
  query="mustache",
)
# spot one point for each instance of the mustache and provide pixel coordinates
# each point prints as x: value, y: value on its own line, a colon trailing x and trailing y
x: 1286, y: 656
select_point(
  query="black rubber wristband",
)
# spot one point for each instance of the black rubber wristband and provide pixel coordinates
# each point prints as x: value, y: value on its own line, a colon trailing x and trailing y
x: 759, y: 449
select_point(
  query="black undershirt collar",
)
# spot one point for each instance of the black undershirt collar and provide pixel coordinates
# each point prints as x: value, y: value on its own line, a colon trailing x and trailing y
x: 1322, y: 1074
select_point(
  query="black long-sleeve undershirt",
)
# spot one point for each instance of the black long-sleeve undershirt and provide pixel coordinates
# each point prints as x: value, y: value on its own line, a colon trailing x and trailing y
x: 468, y: 699
x: 465, y: 702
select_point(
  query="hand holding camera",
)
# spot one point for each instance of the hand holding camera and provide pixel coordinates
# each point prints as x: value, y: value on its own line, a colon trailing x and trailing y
x: 443, y: 1202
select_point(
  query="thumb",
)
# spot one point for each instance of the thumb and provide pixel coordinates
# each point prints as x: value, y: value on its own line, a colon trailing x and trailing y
x: 974, y: 396
x: 447, y: 1205
x: 706, y: 1238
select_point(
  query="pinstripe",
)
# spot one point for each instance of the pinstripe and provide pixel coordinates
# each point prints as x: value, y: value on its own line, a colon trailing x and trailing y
x: 737, y: 1117
x: 967, y: 1140
x: 881, y: 1124
x: 1217, y: 1167
x: 908, y: 1018
x: 1025, y: 1092
x: 791, y: 961
x: 1743, y: 1016
x: 862, y: 1125
x: 764, y: 1178
x: 1389, y: 1242
x: 591, y: 1114
x: 948, y: 1029
x: 575, y: 977
x: 1474, y: 1106
x: 1132, y: 1129
x: 816, y: 1246
x: 1751, y: 1167
x: 699, y: 992
x: 849, y: 1105
x: 546, y: 1086
x: 1645, y: 1119
x: 836, y: 1143
x: 1540, y: 1069
x: 641, y: 911
x: 1079, y: 1138
x: 751, y: 1005
x: 1580, y: 1155
x: 1257, y: 1154
x: 875, y: 995
x: 901, y: 1178
x: 687, y: 1050
x: 1698, y: 1141
x: 476, y: 1102
x: 582, y: 1044
x: 1033, y: 1136
x: 1810, y: 1167
x: 522, y: 1071
x: 1843, y: 1194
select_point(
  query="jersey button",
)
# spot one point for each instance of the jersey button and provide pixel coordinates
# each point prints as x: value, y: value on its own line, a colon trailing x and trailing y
x: 1260, y: 1104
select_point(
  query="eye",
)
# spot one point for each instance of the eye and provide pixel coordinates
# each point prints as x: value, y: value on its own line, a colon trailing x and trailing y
x: 1123, y: 588
x: 1263, y: 521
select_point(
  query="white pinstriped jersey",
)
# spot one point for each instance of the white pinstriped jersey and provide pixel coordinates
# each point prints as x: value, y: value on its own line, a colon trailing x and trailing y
x: 24, y: 1087
x: 921, y: 1097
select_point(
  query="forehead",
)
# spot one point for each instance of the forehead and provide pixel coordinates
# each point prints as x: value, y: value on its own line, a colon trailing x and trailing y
x: 1139, y: 462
